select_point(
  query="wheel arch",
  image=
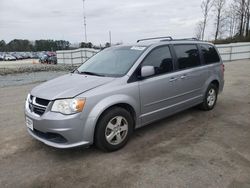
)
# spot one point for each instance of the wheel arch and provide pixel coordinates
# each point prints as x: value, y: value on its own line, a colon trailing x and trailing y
x: 216, y: 83
x: 126, y: 102
x: 125, y: 106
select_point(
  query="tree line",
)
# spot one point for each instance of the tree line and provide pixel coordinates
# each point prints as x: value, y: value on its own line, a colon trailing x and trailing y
x: 231, y: 20
x: 90, y: 45
x: 18, y: 45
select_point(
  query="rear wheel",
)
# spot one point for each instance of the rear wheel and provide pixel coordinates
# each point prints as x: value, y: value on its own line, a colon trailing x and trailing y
x: 210, y: 98
x: 113, y: 129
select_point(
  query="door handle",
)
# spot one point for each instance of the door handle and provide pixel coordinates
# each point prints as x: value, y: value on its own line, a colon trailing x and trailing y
x: 172, y: 79
x: 183, y: 76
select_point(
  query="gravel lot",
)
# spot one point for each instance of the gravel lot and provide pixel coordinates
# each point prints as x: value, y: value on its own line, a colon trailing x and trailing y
x: 4, y: 64
x: 28, y: 78
x: 191, y: 149
x: 31, y: 66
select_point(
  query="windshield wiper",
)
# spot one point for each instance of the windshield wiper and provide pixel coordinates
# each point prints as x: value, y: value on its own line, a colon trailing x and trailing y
x: 91, y: 73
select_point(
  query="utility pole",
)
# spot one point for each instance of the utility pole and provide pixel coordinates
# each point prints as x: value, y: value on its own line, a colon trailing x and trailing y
x: 110, y: 39
x: 85, y: 24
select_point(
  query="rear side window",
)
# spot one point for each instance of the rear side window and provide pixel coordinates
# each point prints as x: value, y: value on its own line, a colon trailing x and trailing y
x: 210, y: 54
x: 187, y: 56
x: 161, y: 59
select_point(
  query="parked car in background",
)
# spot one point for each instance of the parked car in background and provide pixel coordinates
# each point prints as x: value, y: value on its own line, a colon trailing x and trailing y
x: 44, y: 59
x: 51, y: 54
x: 9, y: 57
x: 123, y: 88
x: 1, y: 57
x: 17, y: 56
x: 40, y: 54
x: 52, y: 60
x: 35, y: 55
x: 48, y: 57
x: 28, y: 55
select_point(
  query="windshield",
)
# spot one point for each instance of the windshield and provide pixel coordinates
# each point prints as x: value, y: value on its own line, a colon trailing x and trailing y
x: 114, y: 62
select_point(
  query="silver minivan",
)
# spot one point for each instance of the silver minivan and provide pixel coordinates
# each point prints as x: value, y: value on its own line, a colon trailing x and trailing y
x: 122, y: 88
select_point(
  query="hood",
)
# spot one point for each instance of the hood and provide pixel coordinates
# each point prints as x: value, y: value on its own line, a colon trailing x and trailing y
x: 68, y: 86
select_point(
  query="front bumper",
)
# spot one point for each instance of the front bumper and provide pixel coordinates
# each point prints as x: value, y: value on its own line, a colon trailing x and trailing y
x: 58, y: 130
x: 57, y: 145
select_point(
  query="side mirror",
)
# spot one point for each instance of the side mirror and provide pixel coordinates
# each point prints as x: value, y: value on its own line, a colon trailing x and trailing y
x: 147, y: 71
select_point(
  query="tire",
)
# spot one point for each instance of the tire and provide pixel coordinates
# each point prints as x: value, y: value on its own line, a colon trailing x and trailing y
x: 113, y: 129
x: 210, y: 98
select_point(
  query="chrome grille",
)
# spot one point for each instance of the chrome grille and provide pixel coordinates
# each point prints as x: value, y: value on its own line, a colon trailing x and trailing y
x: 38, y: 105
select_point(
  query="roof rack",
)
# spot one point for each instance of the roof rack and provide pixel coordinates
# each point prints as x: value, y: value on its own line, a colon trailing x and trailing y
x: 186, y: 39
x: 168, y: 38
x: 155, y: 38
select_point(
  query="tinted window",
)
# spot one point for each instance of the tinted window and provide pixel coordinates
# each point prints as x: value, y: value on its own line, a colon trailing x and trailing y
x: 210, y: 54
x: 161, y: 59
x: 187, y: 55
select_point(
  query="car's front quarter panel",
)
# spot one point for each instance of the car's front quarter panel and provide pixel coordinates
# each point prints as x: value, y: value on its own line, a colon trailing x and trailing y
x: 101, y: 98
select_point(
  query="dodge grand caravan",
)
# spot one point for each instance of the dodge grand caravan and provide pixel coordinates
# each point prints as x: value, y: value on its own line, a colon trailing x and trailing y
x: 123, y: 88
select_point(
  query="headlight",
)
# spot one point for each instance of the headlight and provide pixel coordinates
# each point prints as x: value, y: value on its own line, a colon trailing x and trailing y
x: 68, y: 106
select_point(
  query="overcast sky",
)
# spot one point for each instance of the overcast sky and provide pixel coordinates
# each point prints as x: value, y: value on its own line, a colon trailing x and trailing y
x: 127, y: 19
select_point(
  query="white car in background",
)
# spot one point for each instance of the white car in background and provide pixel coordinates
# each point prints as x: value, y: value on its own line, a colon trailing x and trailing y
x: 8, y: 57
x: 1, y: 57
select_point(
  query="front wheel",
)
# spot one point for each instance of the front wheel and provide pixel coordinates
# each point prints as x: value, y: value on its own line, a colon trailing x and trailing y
x: 113, y: 129
x: 210, y: 98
